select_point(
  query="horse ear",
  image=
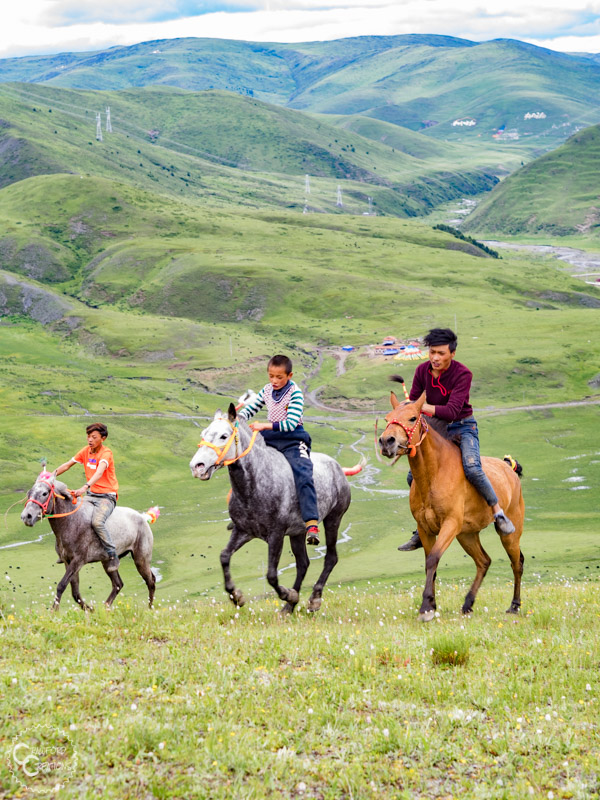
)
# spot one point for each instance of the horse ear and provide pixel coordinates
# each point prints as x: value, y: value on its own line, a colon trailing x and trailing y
x: 394, y: 400
x: 218, y: 414
x: 419, y: 403
x: 231, y: 413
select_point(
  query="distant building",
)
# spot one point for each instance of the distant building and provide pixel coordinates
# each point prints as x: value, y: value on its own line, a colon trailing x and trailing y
x: 466, y: 122
x: 534, y: 115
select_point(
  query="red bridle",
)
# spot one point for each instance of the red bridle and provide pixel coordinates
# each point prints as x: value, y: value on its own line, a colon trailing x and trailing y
x: 52, y: 494
x: 409, y: 448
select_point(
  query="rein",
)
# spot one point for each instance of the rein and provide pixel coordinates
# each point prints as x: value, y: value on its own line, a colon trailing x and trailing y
x: 221, y: 451
x: 51, y: 496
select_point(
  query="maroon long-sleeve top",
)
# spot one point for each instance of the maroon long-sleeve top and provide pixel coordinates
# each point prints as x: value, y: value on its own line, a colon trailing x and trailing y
x: 449, y: 393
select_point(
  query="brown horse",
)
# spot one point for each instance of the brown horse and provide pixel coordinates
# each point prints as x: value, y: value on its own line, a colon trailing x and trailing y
x: 446, y: 506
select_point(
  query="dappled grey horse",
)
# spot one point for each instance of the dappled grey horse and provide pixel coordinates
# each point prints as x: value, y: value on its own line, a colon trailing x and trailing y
x: 264, y: 504
x: 77, y: 543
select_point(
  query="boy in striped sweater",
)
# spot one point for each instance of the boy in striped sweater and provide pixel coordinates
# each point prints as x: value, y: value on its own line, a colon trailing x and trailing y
x: 284, y: 431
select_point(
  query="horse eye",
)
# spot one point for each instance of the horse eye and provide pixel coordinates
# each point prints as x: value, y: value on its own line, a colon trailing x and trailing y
x: 224, y: 436
x: 412, y: 419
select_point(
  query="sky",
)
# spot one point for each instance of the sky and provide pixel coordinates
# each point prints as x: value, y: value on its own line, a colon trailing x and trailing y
x: 32, y: 27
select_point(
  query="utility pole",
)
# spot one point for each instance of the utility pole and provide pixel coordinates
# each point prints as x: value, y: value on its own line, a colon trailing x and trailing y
x: 108, y: 124
x: 98, y: 126
x: 307, y: 184
x: 339, y: 202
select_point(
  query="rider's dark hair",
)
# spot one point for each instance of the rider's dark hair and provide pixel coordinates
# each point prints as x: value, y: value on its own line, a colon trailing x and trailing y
x: 441, y: 336
x: 281, y: 361
x: 98, y: 426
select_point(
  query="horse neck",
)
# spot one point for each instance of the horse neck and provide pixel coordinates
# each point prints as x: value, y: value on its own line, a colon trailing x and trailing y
x: 242, y: 473
x: 426, y: 462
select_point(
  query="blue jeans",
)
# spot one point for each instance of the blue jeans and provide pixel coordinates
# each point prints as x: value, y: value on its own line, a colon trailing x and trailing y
x: 104, y: 505
x: 471, y: 459
x: 295, y: 446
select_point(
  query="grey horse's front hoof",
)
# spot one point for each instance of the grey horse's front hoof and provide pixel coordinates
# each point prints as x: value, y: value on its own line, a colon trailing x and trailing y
x: 314, y: 604
x: 426, y: 616
x: 238, y: 597
x: 513, y: 609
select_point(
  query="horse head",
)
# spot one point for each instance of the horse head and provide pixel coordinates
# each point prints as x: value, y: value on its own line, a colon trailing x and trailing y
x: 405, y: 428
x: 219, y: 443
x: 39, y: 498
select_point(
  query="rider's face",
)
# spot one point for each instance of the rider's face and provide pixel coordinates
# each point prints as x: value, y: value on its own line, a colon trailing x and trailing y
x: 440, y: 356
x: 94, y: 440
x: 278, y: 377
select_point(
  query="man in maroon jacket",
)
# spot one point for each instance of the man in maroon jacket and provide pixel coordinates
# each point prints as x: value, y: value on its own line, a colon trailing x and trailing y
x: 447, y: 383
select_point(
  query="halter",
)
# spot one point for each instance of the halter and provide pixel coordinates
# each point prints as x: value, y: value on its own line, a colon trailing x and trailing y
x: 409, y: 448
x: 221, y: 451
x: 52, y: 494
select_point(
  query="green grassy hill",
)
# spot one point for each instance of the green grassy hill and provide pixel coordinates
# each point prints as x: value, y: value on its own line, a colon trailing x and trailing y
x: 418, y: 81
x: 220, y: 148
x: 555, y: 195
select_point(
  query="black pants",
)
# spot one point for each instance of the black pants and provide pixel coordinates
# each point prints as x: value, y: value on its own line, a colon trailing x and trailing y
x: 295, y: 446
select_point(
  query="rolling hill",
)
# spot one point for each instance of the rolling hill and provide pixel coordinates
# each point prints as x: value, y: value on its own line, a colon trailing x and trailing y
x: 421, y: 82
x: 554, y: 195
x: 221, y: 148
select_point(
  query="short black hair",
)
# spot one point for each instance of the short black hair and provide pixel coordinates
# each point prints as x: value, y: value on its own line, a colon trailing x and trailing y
x: 98, y: 426
x: 281, y: 361
x: 441, y: 336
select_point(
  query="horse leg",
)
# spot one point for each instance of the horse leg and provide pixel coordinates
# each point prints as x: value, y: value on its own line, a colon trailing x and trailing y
x: 471, y: 544
x: 513, y: 549
x: 143, y: 567
x: 236, y: 540
x: 447, y: 534
x: 117, y: 584
x: 298, y: 545
x: 275, y: 548
x: 331, y: 525
x: 73, y: 568
x: 77, y: 595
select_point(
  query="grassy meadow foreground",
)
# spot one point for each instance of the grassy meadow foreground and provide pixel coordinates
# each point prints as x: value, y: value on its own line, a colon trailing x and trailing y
x: 198, y: 699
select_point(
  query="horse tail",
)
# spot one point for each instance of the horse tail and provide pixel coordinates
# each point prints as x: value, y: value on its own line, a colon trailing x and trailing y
x: 152, y: 514
x: 356, y: 468
x: 514, y: 465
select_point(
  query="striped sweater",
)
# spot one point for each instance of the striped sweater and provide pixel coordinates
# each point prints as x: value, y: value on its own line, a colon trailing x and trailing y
x: 284, y: 407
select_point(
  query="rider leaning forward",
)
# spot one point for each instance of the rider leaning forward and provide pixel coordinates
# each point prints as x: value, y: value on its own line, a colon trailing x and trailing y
x: 284, y: 431
x: 101, y: 487
x: 447, y: 384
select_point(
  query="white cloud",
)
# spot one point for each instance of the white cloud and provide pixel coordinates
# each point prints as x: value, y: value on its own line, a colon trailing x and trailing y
x: 38, y: 26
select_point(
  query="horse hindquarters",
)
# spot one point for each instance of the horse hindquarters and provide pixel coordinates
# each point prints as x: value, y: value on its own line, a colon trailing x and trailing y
x: 331, y: 524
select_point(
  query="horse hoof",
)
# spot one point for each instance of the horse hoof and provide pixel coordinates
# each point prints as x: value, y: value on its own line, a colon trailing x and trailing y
x: 238, y: 597
x: 286, y: 610
x: 513, y: 610
x: 292, y: 597
x: 426, y: 616
x: 314, y: 604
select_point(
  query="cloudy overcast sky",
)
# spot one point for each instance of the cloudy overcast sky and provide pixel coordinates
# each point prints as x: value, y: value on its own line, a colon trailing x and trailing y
x: 49, y: 26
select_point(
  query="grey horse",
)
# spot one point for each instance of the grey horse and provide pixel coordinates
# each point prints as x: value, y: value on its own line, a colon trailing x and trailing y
x: 264, y: 505
x: 77, y: 544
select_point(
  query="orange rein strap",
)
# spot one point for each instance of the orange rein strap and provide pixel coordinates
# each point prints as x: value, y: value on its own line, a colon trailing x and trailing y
x: 67, y: 513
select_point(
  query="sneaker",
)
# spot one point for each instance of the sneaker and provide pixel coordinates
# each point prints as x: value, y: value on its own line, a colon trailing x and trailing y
x: 413, y: 543
x: 312, y: 535
x: 112, y: 564
x: 502, y: 524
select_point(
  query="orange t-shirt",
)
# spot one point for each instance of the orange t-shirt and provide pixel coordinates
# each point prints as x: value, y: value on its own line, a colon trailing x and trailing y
x: 108, y: 482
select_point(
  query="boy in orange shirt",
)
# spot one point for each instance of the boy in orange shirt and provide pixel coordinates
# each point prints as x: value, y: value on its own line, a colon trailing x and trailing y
x: 101, y: 487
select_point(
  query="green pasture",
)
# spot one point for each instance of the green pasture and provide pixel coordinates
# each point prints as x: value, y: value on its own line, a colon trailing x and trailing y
x: 197, y: 699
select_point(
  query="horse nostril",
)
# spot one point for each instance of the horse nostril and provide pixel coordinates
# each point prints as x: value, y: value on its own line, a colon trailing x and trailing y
x: 390, y: 441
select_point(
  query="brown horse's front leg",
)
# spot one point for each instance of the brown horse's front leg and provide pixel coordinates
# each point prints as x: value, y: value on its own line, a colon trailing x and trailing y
x: 448, y: 532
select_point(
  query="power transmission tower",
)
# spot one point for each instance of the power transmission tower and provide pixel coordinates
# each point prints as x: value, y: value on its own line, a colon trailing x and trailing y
x: 98, y: 127
x: 339, y: 202
x: 307, y: 184
x: 108, y: 124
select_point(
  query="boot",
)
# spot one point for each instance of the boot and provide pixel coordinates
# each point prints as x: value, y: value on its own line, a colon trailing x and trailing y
x: 413, y: 543
x: 502, y: 524
x: 312, y: 535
